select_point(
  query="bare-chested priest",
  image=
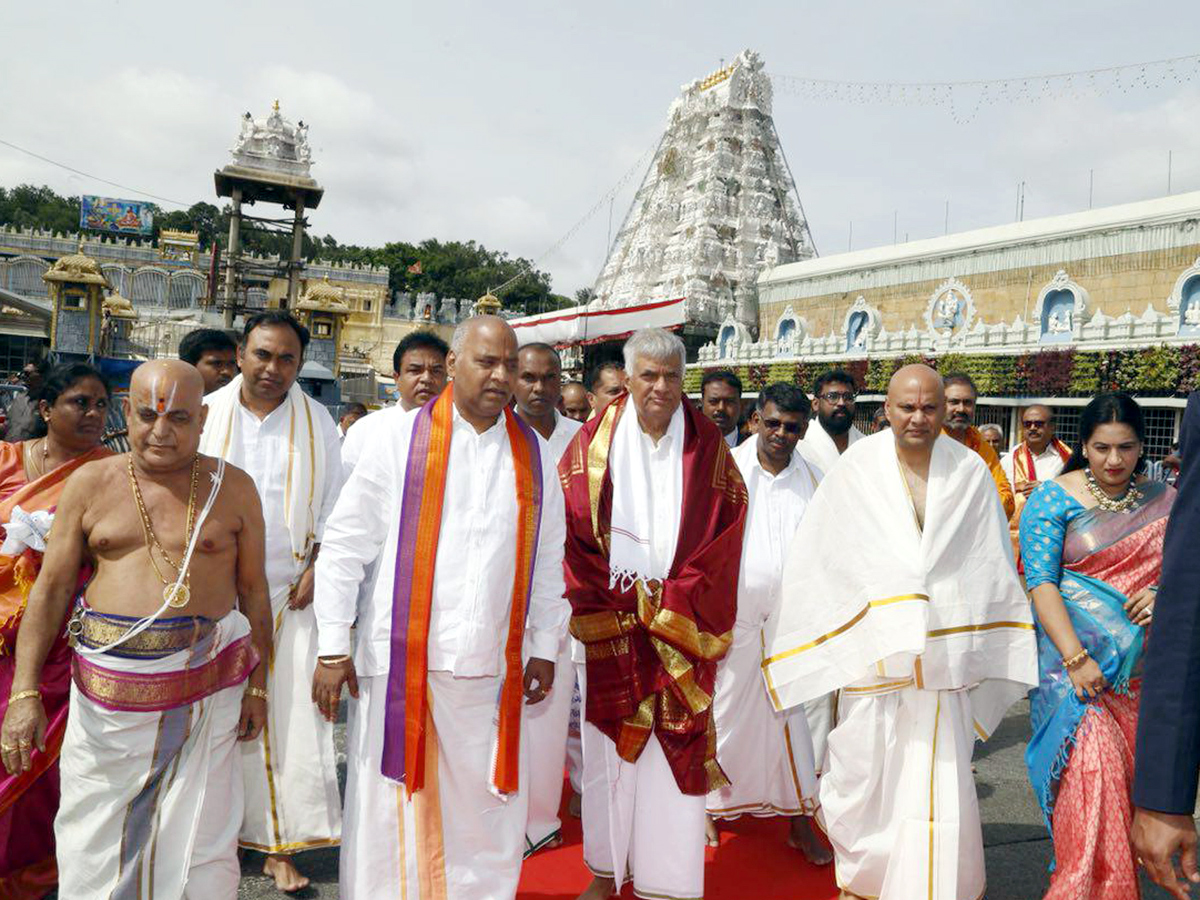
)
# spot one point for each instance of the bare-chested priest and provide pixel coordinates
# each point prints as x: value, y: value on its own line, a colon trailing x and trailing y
x: 900, y: 590
x: 165, y: 644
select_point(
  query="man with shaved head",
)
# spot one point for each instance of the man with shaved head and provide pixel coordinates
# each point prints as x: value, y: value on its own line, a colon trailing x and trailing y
x: 173, y: 622
x: 462, y: 518
x: 900, y: 591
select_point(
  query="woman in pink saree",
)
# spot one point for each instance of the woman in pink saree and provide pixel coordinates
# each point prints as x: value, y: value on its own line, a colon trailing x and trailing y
x: 73, y: 405
x: 1091, y: 542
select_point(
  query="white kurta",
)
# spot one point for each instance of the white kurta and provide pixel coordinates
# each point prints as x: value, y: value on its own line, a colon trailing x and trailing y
x: 1048, y: 464
x: 292, y: 799
x: 820, y: 450
x: 475, y: 565
x: 625, y: 805
x: 929, y: 636
x: 151, y: 801
x: 549, y: 720
x: 766, y: 754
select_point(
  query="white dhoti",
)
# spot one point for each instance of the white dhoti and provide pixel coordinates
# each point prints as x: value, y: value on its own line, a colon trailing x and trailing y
x: 767, y: 755
x: 820, y: 714
x: 637, y: 821
x: 898, y: 800
x: 454, y: 839
x: 152, y: 801
x: 547, y: 724
x: 292, y: 799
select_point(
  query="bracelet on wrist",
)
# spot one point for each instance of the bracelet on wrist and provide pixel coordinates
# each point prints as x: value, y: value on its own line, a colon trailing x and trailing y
x: 25, y: 695
x: 258, y: 693
x: 334, y: 660
x: 1076, y: 661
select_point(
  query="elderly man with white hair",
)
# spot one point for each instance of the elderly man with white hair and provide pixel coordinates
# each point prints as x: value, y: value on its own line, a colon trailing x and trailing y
x: 655, y: 511
x: 462, y: 519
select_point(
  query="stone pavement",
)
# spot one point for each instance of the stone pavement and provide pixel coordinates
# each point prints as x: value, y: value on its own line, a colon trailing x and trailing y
x: 1018, y: 849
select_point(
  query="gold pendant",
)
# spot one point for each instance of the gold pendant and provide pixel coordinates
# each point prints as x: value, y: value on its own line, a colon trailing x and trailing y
x: 176, y: 596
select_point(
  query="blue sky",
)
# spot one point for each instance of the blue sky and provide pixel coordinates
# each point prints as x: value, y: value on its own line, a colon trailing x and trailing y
x: 506, y: 122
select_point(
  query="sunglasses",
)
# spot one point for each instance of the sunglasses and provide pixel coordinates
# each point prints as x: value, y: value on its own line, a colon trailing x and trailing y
x: 1034, y: 423
x: 788, y: 427
x: 835, y: 396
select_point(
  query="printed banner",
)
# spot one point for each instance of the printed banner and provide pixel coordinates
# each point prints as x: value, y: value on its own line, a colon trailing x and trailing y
x: 115, y: 216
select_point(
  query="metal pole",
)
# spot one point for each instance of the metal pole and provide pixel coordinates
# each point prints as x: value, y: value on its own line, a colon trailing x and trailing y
x: 294, y: 264
x: 850, y: 240
x: 235, y: 223
x: 947, y: 225
x: 1169, y: 171
x: 1091, y: 185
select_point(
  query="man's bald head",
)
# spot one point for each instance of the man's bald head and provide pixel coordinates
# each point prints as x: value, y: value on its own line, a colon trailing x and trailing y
x: 165, y: 414
x: 483, y: 363
x: 916, y: 406
x: 168, y: 383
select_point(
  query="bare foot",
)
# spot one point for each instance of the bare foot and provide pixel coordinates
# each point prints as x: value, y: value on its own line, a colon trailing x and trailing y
x: 711, y: 838
x: 575, y: 805
x: 283, y: 870
x: 599, y: 889
x: 802, y: 837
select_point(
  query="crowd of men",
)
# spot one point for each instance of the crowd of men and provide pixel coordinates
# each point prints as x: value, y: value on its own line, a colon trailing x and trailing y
x: 497, y: 556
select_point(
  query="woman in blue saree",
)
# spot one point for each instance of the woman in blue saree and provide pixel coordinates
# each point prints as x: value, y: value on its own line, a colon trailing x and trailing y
x: 1091, y: 541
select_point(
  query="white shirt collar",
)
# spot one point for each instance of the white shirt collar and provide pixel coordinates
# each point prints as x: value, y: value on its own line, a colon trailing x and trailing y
x: 457, y: 421
x: 673, y: 435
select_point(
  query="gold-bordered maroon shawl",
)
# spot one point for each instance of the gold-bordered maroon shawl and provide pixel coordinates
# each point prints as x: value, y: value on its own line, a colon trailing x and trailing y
x: 652, y: 650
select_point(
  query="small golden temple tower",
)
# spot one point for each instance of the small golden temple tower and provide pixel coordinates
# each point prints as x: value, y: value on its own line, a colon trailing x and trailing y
x: 487, y: 305
x: 76, y: 287
x: 323, y: 312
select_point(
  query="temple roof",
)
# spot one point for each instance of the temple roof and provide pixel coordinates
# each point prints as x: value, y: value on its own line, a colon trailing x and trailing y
x: 77, y: 268
x: 322, y: 296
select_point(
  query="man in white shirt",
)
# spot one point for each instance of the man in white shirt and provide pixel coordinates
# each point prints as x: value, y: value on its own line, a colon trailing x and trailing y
x: 287, y: 442
x: 1039, y: 457
x: 828, y: 437
x: 824, y: 443
x: 464, y: 516
x: 419, y: 368
x: 351, y: 413
x: 538, y: 389
x: 766, y: 754
x: 721, y: 402
x: 655, y: 509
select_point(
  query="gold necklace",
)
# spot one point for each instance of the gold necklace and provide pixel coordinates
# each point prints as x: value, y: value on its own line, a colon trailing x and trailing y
x: 175, y: 594
x: 41, y: 468
x: 1124, y: 503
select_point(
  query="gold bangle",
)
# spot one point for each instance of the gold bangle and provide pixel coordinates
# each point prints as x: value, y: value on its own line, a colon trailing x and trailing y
x: 1076, y: 660
x: 259, y: 693
x: 334, y: 660
x: 25, y: 695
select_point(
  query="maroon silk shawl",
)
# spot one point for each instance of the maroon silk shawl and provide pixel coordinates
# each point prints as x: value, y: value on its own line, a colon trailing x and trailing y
x: 652, y: 651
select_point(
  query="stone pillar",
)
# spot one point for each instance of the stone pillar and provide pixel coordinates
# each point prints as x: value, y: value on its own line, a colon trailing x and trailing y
x: 294, y: 263
x: 235, y: 222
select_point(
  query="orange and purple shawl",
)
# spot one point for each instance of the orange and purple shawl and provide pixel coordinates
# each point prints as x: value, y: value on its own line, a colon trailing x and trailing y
x: 407, y: 707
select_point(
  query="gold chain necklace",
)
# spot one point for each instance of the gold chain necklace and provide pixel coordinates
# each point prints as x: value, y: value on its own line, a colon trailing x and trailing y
x: 1124, y: 503
x: 176, y: 595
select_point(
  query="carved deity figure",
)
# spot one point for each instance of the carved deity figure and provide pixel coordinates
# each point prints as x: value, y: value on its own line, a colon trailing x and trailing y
x: 1191, y: 316
x: 947, y: 310
x: 1060, y: 321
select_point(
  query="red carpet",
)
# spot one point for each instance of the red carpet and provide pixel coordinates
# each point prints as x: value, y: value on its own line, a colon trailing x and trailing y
x: 752, y: 862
